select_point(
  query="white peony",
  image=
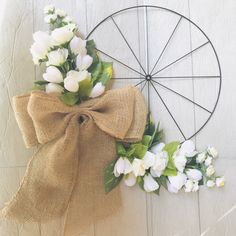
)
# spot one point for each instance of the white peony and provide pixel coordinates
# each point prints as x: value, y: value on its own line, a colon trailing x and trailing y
x: 180, y: 161
x: 212, y: 151
x: 210, y: 183
x: 53, y: 75
x: 83, y: 62
x: 97, y: 90
x: 148, y: 160
x: 201, y: 157
x: 60, y: 12
x: 138, y: 167
x: 158, y: 148
x: 161, y: 161
x: 41, y: 46
x: 48, y: 9
x: 176, y: 182
x: 188, y: 186
x: 78, y: 46
x: 61, y: 36
x: 122, y: 166
x: 50, y: 18
x: 150, y: 183
x: 220, y: 181
x: 54, y: 88
x: 194, y: 174
x: 208, y: 161
x: 210, y: 171
x: 130, y: 179
x: 57, y: 57
x: 187, y: 149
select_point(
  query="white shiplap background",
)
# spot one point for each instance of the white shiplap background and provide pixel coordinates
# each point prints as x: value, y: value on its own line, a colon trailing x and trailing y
x: 209, y: 212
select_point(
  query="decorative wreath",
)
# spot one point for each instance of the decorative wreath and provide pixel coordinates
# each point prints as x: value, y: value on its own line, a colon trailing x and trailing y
x: 83, y: 130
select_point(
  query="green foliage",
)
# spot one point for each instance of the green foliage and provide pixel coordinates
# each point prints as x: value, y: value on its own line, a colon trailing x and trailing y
x: 91, y: 50
x: 139, y: 150
x: 70, y: 98
x: 85, y: 87
x: 41, y: 82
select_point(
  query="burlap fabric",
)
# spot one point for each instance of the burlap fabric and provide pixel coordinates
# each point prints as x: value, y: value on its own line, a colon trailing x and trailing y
x: 64, y: 178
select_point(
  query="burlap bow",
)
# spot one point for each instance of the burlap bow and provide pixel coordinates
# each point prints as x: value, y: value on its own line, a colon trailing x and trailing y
x: 65, y: 175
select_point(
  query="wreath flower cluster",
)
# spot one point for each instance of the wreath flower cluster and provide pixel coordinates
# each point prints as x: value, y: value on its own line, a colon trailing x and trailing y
x: 74, y: 69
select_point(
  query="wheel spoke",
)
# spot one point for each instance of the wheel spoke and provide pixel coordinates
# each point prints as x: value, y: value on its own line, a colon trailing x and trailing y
x: 113, y: 58
x: 185, y: 55
x: 172, y: 34
x: 147, y: 40
x: 168, y: 111
x: 135, y: 78
x: 144, y: 86
x: 187, y: 77
x: 139, y: 83
x: 128, y: 44
x: 182, y: 96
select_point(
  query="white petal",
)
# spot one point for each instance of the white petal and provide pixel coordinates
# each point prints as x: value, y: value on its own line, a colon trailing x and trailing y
x: 71, y: 84
x: 194, y: 174
x: 220, y: 181
x: 158, y: 148
x: 127, y: 166
x: 84, y: 62
x: 150, y: 183
x: 53, y: 75
x: 180, y: 162
x: 119, y: 167
x: 178, y: 181
x: 54, y: 88
x: 148, y: 160
x: 155, y: 173
x: 138, y: 169
x: 171, y: 188
x: 130, y: 180
x: 97, y: 90
x: 210, y: 183
x: 187, y: 147
x: 78, y: 46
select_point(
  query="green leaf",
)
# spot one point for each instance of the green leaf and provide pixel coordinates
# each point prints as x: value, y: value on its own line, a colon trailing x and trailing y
x: 170, y: 148
x: 39, y: 87
x: 110, y: 181
x: 107, y: 71
x: 120, y: 149
x: 97, y: 70
x: 162, y: 181
x: 41, y: 82
x: 70, y: 98
x: 170, y: 172
x: 139, y: 150
x: 85, y: 87
x: 140, y: 182
x: 147, y: 140
x: 91, y: 50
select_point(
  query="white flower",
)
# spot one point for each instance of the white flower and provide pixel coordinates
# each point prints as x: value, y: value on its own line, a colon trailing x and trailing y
x: 158, y: 148
x: 212, y: 151
x: 138, y: 168
x: 67, y: 19
x: 71, y: 26
x: 148, y: 160
x: 78, y: 46
x: 83, y: 62
x: 187, y: 149
x: 188, y: 186
x: 201, y: 157
x: 53, y: 75
x: 194, y: 174
x: 48, y: 9
x: 97, y: 90
x: 210, y: 171
x: 61, y: 35
x: 176, y: 182
x: 195, y: 186
x: 41, y: 46
x: 122, y: 166
x: 57, y: 57
x: 54, y: 88
x: 130, y: 179
x: 180, y: 162
x: 161, y: 161
x: 208, y: 161
x: 60, y: 12
x: 210, y: 183
x: 150, y: 184
x: 50, y: 18
x: 220, y: 181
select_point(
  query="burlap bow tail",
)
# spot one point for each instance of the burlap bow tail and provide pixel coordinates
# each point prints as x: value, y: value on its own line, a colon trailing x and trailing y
x: 66, y: 173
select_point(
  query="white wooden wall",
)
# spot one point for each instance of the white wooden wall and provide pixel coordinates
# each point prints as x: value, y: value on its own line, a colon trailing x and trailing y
x: 209, y: 212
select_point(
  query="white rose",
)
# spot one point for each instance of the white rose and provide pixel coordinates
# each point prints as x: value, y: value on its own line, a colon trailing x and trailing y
x: 50, y: 18
x: 187, y: 149
x: 212, y: 151
x: 158, y: 148
x: 122, y: 166
x: 210, y: 183
x: 220, y: 181
x: 138, y: 168
x: 161, y: 161
x: 194, y: 174
x: 180, y: 162
x: 130, y: 179
x: 210, y: 171
x: 195, y: 186
x: 148, y: 160
x: 78, y: 46
x: 97, y: 90
x: 83, y: 62
x: 150, y: 184
x: 188, y: 186
x: 176, y: 182
x: 48, y: 9
x: 54, y: 88
x: 201, y: 157
x: 57, y: 57
x: 208, y: 161
x: 60, y: 12
x: 61, y: 36
x: 53, y: 75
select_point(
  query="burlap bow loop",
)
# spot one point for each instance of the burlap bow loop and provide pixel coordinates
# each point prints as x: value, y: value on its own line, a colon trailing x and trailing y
x: 72, y: 140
